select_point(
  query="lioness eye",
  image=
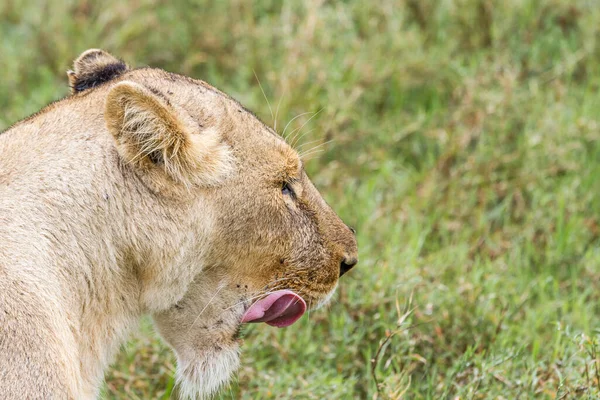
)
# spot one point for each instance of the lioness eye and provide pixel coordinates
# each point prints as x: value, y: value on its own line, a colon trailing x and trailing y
x: 286, y: 189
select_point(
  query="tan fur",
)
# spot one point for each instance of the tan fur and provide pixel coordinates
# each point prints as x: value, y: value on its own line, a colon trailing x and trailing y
x: 153, y: 193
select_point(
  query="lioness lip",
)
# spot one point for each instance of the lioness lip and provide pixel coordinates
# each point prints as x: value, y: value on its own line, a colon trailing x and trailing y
x: 281, y: 308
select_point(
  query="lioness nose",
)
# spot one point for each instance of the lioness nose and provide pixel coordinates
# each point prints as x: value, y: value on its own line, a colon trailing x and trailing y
x: 347, y: 264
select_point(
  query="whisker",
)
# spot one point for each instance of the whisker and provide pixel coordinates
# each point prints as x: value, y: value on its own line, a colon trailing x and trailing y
x: 304, y: 156
x: 253, y: 297
x: 262, y: 292
x: 307, y: 143
x: 292, y: 120
x: 301, y: 136
x: 258, y: 295
x: 210, y: 268
x: 207, y: 304
x: 304, y: 124
x: 317, y: 148
x: 264, y: 95
x: 283, y: 278
x: 277, y: 112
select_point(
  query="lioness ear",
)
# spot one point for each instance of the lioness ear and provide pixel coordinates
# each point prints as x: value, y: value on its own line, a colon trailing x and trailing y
x: 92, y: 68
x: 162, y: 140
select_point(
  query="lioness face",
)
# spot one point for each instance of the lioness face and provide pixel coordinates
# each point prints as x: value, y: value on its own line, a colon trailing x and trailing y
x: 277, y: 231
x: 279, y: 248
x: 265, y: 243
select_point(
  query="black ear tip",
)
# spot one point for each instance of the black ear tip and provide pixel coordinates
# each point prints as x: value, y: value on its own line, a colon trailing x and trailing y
x: 91, y: 54
x: 93, y: 68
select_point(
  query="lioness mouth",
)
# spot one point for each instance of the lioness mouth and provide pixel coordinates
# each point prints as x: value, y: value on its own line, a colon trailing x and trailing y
x: 281, y: 308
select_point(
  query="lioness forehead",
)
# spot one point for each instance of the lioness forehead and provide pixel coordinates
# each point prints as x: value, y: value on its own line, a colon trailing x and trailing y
x: 200, y: 95
x: 239, y: 126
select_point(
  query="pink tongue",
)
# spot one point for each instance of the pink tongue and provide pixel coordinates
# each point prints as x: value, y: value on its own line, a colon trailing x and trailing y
x: 281, y: 308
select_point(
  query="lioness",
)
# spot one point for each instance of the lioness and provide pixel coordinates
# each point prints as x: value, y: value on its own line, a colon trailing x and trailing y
x: 150, y: 192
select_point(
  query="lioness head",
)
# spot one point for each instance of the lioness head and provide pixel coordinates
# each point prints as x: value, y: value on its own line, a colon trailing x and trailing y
x: 264, y: 244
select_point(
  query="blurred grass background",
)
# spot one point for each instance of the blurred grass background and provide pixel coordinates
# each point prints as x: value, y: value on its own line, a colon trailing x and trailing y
x: 465, y: 151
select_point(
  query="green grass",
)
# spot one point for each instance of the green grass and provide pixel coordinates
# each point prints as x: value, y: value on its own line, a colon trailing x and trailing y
x: 466, y: 148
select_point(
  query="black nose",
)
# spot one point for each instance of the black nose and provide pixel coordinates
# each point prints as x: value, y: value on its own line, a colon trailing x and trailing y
x: 347, y: 264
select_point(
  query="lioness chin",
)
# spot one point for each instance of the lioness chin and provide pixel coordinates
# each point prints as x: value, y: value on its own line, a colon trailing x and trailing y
x: 147, y: 192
